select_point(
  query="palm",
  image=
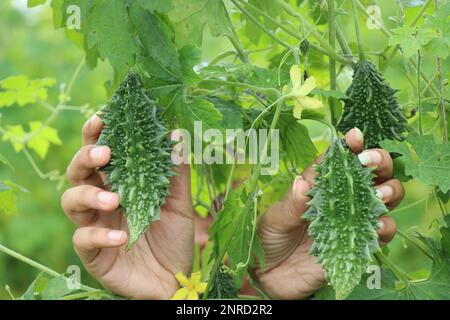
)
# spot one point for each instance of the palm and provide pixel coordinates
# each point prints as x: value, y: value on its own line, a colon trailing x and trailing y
x: 291, y: 271
x: 146, y: 271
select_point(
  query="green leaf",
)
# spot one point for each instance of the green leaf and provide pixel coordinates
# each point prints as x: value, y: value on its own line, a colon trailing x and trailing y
x: 410, y: 39
x: 232, y: 221
x: 198, y: 110
x: 425, y: 159
x: 111, y: 34
x: 43, y: 136
x: 15, y: 135
x: 295, y: 141
x: 191, y: 16
x: 159, y: 6
x: 36, y: 288
x: 23, y: 91
x: 35, y: 3
x: 231, y: 112
x: 56, y: 289
x: 152, y: 31
x: 439, y: 47
x: 45, y: 288
x: 190, y: 56
x: 8, y: 197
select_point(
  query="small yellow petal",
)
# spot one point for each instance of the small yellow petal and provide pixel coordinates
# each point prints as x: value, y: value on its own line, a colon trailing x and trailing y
x: 201, y: 287
x: 296, y: 77
x: 196, y: 277
x: 298, y: 110
x: 180, y: 294
x: 182, y: 279
x: 307, y: 87
x: 193, y: 295
x: 310, y: 103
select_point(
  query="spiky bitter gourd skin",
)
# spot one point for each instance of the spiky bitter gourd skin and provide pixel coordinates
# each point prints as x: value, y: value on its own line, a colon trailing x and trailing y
x: 140, y: 167
x: 371, y: 106
x: 343, y: 217
x: 223, y: 286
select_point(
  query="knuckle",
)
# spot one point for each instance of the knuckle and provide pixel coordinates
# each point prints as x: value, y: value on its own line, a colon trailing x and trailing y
x: 64, y: 200
x: 92, y: 234
x: 398, y: 186
x: 76, y: 238
x: 384, y: 155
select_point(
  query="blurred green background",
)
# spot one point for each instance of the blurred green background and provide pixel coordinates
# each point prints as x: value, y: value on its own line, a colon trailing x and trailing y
x: 29, y: 45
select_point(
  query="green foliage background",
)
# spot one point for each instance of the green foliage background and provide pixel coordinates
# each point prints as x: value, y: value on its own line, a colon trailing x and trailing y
x: 29, y: 45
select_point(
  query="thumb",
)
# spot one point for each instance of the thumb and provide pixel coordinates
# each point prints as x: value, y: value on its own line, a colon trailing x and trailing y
x: 286, y: 214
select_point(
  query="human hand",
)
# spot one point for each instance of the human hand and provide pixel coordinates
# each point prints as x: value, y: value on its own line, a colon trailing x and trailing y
x: 290, y: 271
x: 147, y: 270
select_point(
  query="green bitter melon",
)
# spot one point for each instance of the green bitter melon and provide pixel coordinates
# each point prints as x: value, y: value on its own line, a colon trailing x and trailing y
x: 223, y: 286
x: 371, y: 106
x: 140, y: 167
x: 343, y: 218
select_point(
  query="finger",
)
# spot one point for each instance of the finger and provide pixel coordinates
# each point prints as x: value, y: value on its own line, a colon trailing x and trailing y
x: 391, y: 192
x: 180, y: 200
x: 286, y: 215
x: 81, y: 202
x: 310, y: 174
x: 387, y: 230
x: 83, y: 168
x: 355, y: 140
x: 92, y: 129
x: 381, y: 160
x: 88, y: 240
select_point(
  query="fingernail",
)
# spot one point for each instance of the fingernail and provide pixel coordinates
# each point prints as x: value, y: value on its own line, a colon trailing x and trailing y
x: 380, y: 225
x: 358, y: 135
x: 115, y: 235
x: 369, y: 157
x: 96, y: 153
x: 297, y: 180
x: 105, y: 197
x: 385, y: 192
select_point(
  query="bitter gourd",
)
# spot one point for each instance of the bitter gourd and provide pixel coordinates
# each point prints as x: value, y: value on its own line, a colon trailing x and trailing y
x: 223, y: 286
x: 372, y: 107
x: 343, y: 217
x: 140, y: 167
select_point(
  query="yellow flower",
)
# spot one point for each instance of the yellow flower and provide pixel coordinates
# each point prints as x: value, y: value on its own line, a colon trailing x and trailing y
x: 190, y: 288
x: 300, y: 91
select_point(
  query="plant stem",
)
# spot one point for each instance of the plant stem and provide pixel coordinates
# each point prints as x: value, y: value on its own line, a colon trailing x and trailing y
x: 315, y: 33
x: 259, y: 25
x: 413, y: 243
x: 39, y: 266
x: 441, y: 205
x: 74, y: 77
x: 332, y: 41
x: 234, y: 39
x: 85, y: 294
x: 419, y: 102
x: 420, y: 13
x: 400, y: 274
x: 239, y: 48
x: 241, y: 85
x: 249, y: 201
x: 358, y: 32
x: 222, y: 56
x: 441, y: 88
x: 389, y: 34
x: 409, y: 206
x: 343, y: 41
